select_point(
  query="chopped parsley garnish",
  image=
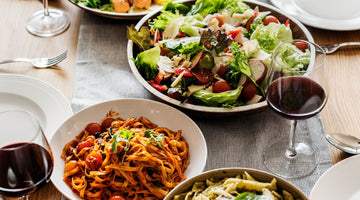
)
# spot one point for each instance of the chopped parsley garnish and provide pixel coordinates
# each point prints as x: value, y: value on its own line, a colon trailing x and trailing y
x: 154, y: 136
x: 122, y: 135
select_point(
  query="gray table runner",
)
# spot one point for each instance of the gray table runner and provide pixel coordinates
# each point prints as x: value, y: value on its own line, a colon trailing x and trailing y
x: 103, y: 73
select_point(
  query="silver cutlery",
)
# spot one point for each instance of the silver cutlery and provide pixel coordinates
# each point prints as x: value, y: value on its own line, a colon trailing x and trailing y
x: 39, y: 62
x: 347, y: 143
x: 331, y: 48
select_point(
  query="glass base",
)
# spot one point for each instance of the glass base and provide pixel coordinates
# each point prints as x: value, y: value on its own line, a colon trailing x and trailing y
x: 279, y: 162
x: 46, y: 26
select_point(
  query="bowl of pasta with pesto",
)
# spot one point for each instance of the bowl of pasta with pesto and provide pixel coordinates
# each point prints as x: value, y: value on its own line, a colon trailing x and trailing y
x: 126, y: 149
x: 235, y: 184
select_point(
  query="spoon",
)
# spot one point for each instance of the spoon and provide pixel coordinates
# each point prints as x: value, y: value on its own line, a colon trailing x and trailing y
x: 347, y: 143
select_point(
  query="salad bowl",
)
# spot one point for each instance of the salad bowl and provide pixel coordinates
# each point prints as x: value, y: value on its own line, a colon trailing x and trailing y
x: 299, y: 31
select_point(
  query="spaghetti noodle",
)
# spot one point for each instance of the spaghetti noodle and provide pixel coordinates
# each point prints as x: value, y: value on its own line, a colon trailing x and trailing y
x: 134, y: 158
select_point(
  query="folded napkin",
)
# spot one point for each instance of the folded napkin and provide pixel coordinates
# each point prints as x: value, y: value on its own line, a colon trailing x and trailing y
x: 103, y: 73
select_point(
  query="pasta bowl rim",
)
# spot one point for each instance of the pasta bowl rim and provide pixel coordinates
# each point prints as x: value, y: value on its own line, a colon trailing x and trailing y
x: 220, y: 173
x: 73, y: 125
x: 198, y: 108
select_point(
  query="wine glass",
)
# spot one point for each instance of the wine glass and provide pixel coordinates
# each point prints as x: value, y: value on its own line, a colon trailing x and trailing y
x: 26, y: 160
x: 297, y: 89
x: 47, y: 22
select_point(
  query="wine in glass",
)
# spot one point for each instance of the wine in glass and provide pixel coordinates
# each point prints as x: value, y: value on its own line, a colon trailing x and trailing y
x: 47, y: 22
x: 26, y: 160
x: 297, y: 89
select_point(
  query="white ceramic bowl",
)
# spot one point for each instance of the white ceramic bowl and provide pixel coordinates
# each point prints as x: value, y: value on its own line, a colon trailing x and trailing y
x: 232, y: 172
x: 341, y: 181
x: 299, y: 32
x: 158, y: 113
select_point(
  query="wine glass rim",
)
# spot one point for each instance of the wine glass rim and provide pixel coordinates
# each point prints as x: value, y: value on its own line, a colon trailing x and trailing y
x: 20, y: 144
x: 310, y: 67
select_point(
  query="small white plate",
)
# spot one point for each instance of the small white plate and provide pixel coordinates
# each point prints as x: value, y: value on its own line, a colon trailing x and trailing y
x: 341, y: 181
x: 158, y: 113
x: 46, y: 102
x: 325, y: 14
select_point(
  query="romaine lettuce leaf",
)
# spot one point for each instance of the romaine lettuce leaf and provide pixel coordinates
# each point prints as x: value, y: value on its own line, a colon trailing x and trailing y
x: 292, y: 58
x: 204, y: 7
x: 174, y: 7
x: 164, y: 19
x: 179, y: 48
x: 239, y: 63
x: 235, y: 6
x: 146, y: 62
x: 217, y: 99
x: 270, y: 36
x: 189, y: 30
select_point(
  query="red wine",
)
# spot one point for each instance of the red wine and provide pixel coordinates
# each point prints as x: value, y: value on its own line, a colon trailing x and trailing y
x: 24, y: 167
x: 296, y: 97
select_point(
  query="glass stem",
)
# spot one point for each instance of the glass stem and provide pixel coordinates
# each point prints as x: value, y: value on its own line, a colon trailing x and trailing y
x: 46, y: 8
x: 291, y: 152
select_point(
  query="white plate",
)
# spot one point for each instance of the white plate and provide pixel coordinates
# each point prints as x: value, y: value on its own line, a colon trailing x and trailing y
x: 341, y: 181
x: 47, y: 103
x: 133, y: 13
x: 158, y: 113
x: 325, y: 14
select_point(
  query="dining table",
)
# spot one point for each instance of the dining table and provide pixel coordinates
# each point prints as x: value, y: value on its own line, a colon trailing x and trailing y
x: 340, y: 114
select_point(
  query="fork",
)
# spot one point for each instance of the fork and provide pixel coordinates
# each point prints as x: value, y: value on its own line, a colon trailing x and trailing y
x: 331, y: 48
x: 39, y: 62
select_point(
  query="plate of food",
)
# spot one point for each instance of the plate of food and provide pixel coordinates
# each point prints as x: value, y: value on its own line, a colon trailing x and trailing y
x: 44, y: 101
x: 341, y: 181
x: 134, y: 148
x: 209, y: 57
x: 119, y: 9
x: 235, y: 183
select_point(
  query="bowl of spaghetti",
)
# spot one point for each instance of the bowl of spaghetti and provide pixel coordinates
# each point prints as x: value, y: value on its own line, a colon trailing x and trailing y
x: 132, y: 148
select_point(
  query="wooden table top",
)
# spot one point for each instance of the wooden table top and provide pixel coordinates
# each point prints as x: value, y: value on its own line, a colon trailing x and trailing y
x: 339, y: 115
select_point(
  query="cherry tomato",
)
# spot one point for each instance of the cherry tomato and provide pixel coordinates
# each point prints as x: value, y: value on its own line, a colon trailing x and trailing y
x: 301, y: 45
x: 116, y: 197
x: 107, y: 123
x: 187, y: 72
x: 72, y: 164
x: 203, y: 75
x: 249, y: 91
x: 159, y: 77
x: 175, y: 93
x: 287, y: 22
x: 234, y: 33
x: 180, y: 35
x: 93, y: 128
x: 223, y: 68
x: 93, y: 160
x: 87, y: 143
x: 160, y: 88
x: 268, y: 19
x: 221, y: 86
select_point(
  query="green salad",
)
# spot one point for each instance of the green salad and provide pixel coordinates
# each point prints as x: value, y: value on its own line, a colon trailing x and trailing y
x: 213, y: 53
